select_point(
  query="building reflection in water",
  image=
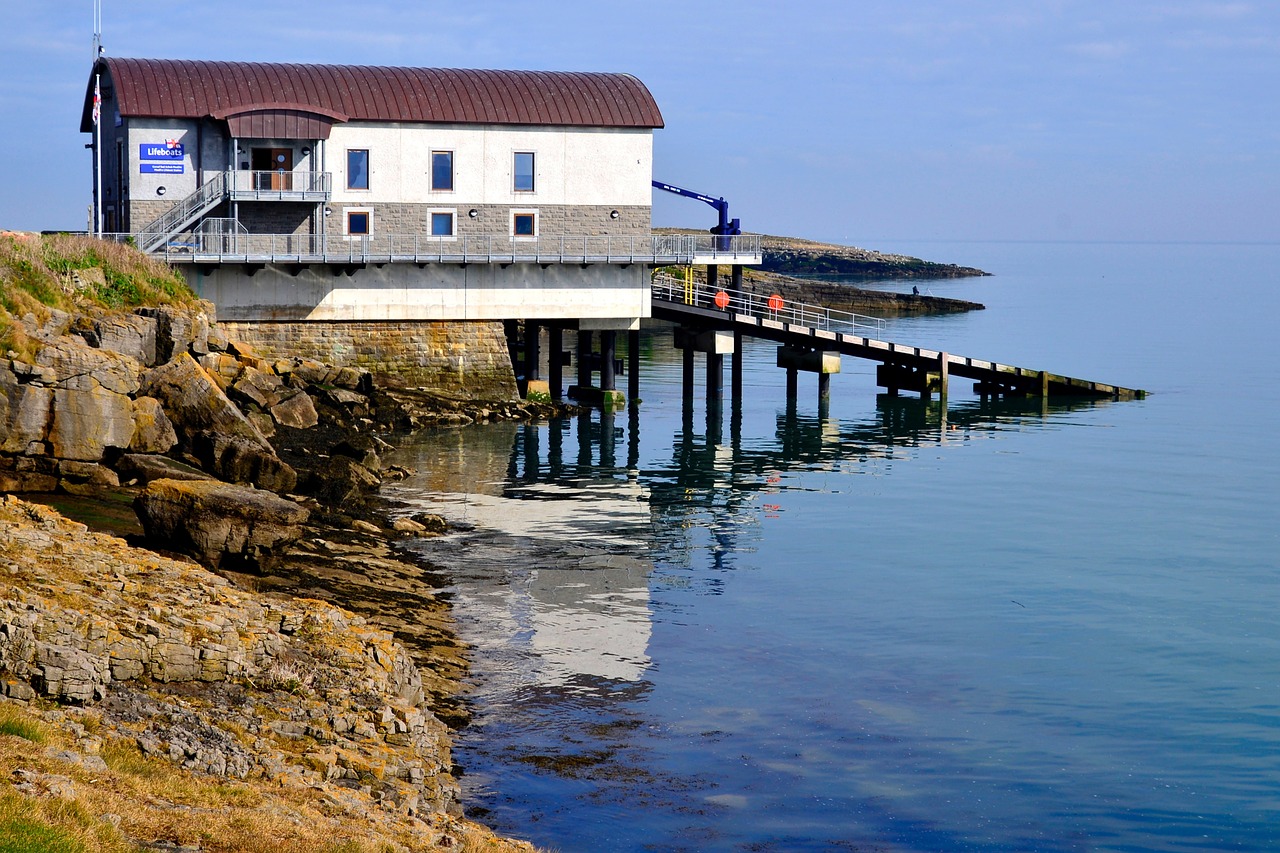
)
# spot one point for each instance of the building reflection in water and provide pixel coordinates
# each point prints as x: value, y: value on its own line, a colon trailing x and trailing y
x: 550, y: 572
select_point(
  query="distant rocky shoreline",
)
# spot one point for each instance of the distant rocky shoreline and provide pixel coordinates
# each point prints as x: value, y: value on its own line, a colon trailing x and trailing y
x: 792, y: 268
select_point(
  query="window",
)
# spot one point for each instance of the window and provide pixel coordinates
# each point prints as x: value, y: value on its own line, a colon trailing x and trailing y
x: 358, y: 169
x: 359, y: 223
x: 442, y: 171
x: 524, y: 172
x: 442, y: 223
x: 524, y: 224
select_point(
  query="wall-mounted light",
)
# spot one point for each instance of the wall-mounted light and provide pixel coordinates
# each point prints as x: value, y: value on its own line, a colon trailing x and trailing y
x: 328, y: 211
x: 305, y: 151
x: 239, y: 150
x: 613, y: 214
x: 473, y: 213
x: 161, y: 191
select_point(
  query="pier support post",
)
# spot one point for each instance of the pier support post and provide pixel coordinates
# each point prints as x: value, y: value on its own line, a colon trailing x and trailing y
x: 715, y: 376
x: 713, y: 277
x: 584, y: 358
x: 608, y: 346
x: 532, y: 355
x: 824, y: 388
x: 793, y: 384
x: 555, y: 363
x: 687, y: 384
x: 633, y: 366
x: 735, y: 277
x: 944, y: 377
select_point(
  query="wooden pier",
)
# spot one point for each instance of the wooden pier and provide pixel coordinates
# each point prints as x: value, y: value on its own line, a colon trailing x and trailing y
x: 811, y: 336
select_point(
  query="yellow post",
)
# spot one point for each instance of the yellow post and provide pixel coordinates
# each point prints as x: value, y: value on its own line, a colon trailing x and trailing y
x: 688, y: 285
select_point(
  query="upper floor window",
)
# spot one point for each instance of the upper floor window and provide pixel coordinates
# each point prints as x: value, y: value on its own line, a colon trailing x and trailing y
x: 523, y: 171
x: 358, y: 168
x: 441, y: 170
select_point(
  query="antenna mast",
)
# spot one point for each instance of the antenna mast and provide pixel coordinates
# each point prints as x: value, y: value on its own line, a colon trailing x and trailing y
x: 97, y: 29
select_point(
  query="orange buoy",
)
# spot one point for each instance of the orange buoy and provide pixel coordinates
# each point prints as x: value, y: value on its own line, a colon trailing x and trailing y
x: 722, y: 299
x: 775, y: 302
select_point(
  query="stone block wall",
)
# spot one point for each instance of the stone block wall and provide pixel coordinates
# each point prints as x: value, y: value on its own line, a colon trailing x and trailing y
x: 465, y: 358
x: 278, y: 217
x: 492, y: 219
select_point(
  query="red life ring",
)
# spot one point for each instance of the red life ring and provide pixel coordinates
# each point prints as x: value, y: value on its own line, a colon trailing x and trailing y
x: 722, y: 299
x: 775, y: 302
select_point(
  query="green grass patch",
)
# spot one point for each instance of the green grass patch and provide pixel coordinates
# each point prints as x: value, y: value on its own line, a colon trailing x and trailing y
x: 20, y: 835
x: 14, y: 722
x: 71, y: 272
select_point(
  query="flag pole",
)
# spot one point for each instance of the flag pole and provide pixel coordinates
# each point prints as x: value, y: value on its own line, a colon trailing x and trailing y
x: 97, y: 150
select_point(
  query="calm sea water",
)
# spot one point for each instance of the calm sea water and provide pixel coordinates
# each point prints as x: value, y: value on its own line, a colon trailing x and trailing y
x: 896, y: 628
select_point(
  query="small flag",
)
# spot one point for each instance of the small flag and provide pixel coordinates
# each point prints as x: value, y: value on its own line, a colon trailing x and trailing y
x: 97, y: 102
x: 171, y: 143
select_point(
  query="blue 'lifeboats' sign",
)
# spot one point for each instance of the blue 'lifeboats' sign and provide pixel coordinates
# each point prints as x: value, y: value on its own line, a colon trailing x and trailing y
x: 167, y: 150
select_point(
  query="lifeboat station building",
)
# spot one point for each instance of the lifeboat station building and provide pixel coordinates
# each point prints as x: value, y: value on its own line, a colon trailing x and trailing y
x: 291, y: 192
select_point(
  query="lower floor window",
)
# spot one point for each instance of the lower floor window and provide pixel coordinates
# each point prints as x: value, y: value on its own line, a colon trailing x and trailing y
x: 441, y: 223
x: 524, y: 224
x: 359, y: 223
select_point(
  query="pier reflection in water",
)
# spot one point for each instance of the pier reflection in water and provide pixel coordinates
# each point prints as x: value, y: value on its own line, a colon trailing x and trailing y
x: 571, y: 533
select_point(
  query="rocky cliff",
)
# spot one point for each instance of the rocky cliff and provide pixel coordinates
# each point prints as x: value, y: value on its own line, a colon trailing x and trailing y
x: 295, y: 704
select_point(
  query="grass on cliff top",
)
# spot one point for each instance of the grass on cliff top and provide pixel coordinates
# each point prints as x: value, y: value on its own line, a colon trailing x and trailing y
x: 140, y: 801
x: 72, y: 272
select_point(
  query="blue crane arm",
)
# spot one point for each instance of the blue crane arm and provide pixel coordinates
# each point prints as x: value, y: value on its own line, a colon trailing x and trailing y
x: 725, y: 226
x: 718, y: 203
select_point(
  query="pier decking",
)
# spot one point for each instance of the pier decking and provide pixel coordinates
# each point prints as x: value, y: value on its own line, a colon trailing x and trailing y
x: 817, y: 330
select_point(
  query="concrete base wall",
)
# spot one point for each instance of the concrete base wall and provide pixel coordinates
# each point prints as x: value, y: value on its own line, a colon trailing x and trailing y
x: 467, y: 359
x: 405, y: 291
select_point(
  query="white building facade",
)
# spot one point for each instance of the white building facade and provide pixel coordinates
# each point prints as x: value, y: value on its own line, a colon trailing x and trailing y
x: 317, y: 192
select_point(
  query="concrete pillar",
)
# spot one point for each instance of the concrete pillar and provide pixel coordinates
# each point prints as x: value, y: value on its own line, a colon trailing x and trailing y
x: 633, y: 365
x: 793, y: 384
x: 584, y: 358
x: 824, y: 387
x: 608, y: 346
x: 735, y: 279
x: 944, y: 376
x: 715, y: 376
x: 531, y: 355
x: 687, y: 384
x: 555, y: 367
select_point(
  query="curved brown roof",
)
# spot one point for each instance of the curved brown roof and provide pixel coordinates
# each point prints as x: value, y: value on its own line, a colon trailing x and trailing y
x: 180, y: 88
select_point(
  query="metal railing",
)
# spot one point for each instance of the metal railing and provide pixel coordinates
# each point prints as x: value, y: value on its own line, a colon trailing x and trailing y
x: 281, y: 185
x: 669, y: 288
x: 236, y: 245
x: 163, y: 227
x: 725, y: 248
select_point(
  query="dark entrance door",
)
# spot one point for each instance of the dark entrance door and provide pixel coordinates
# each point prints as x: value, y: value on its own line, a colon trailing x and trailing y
x: 273, y: 168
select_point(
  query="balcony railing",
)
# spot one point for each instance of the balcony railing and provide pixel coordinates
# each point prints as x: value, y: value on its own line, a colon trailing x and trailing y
x: 230, y: 247
x: 280, y: 185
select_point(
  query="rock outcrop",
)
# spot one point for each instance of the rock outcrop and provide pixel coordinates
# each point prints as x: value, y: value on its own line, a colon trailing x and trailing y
x: 312, y: 695
x: 219, y: 524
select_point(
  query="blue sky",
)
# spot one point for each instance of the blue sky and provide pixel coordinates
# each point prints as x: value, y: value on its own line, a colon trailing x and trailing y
x: 856, y: 122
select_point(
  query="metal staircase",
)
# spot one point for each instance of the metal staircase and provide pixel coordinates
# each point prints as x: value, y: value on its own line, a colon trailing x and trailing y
x: 184, y: 213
